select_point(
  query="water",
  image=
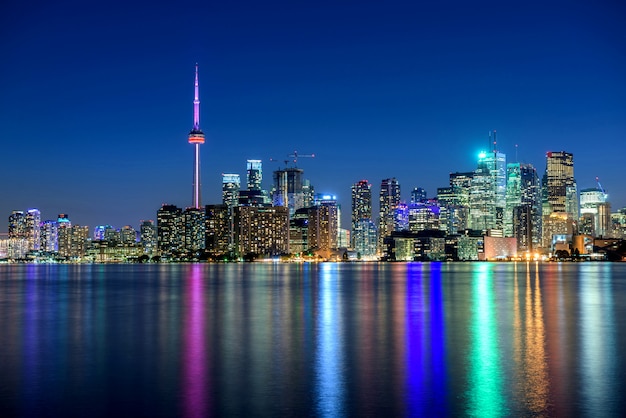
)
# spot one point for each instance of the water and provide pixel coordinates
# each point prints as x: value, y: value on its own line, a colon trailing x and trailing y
x: 415, y: 339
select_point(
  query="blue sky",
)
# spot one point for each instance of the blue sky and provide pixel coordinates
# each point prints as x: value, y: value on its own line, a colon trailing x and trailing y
x: 96, y: 98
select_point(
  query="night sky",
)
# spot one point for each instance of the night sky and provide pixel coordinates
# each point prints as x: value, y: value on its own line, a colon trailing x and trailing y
x: 96, y: 97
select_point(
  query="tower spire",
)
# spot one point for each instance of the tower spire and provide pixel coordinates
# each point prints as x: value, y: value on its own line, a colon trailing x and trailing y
x: 196, y: 103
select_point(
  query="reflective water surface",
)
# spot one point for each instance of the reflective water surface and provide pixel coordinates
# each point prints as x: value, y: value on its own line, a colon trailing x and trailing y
x: 414, y: 339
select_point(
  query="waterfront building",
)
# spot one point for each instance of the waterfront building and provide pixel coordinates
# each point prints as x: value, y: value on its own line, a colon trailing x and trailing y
x: 32, y: 229
x: 109, y: 252
x: 299, y: 231
x: 49, y: 236
x: 361, y: 214
x: 13, y: 248
x: 261, y: 230
x: 128, y: 235
x: 324, y: 225
x: 365, y: 238
x: 594, y: 206
x: 170, y: 230
x: 559, y: 194
x: 17, y: 224
x: 193, y: 230
x: 218, y: 229
x: 389, y: 199
x: 73, y: 241
x: 148, y: 237
x: 560, y: 184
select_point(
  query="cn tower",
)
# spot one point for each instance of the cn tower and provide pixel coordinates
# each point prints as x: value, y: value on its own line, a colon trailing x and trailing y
x: 196, y: 137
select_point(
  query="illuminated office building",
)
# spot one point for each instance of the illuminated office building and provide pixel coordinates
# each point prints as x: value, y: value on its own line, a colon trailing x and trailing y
x: 522, y: 217
x: 170, y: 230
x: 33, y: 225
x: 254, y: 174
x: 559, y: 193
x: 488, y: 192
x: 595, y: 206
x: 193, y: 230
x: 17, y: 224
x: 218, y: 229
x: 365, y: 238
x: 148, y: 237
x: 261, y: 230
x: 482, y: 202
x: 49, y: 236
x: 418, y: 195
x: 423, y: 216
x: 389, y: 199
x: 324, y: 225
x: 73, y: 240
x: 299, y: 231
x: 128, y: 235
x: 288, y: 190
x: 361, y: 210
x: 231, y: 184
x: 560, y: 184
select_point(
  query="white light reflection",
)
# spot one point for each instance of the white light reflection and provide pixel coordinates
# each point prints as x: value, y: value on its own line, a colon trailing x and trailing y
x: 329, y: 362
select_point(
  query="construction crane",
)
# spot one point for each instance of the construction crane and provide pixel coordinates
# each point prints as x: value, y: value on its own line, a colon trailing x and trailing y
x: 295, y: 156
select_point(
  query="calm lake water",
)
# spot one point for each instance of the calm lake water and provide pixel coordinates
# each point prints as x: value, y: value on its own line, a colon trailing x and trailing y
x: 405, y: 339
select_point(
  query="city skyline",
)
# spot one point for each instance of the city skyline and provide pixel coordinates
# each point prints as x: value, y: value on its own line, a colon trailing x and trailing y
x: 375, y: 92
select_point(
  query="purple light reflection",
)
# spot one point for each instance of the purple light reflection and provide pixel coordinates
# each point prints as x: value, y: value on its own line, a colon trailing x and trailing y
x: 195, y: 356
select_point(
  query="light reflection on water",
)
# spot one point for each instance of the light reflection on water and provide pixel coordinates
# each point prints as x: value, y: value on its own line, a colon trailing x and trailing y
x: 405, y: 339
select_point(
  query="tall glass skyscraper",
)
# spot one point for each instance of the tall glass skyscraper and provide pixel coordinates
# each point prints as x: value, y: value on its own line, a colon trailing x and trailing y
x: 231, y: 184
x: 388, y: 201
x: 254, y: 174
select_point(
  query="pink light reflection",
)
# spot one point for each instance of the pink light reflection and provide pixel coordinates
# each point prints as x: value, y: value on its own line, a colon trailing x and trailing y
x: 195, y: 356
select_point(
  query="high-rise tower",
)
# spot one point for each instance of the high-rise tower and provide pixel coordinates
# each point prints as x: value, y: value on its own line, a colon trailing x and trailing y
x: 196, y: 137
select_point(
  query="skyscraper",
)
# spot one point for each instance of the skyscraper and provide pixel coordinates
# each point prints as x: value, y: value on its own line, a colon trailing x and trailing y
x: 288, y: 189
x: 170, y: 230
x: 261, y: 230
x: 389, y: 198
x: 148, y: 237
x: 323, y: 228
x: 33, y: 221
x: 231, y: 183
x: 595, y: 206
x: 196, y: 137
x: 522, y: 217
x: 488, y: 192
x: 193, y: 227
x: 254, y: 175
x: 49, y: 236
x: 560, y: 197
x: 218, y: 229
x: 17, y: 224
x: 560, y: 183
x: 361, y: 204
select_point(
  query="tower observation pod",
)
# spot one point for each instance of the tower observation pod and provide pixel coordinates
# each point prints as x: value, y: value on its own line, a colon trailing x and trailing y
x: 196, y: 137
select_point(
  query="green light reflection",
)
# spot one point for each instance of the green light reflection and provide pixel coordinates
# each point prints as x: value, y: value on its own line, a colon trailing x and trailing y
x: 485, y: 376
